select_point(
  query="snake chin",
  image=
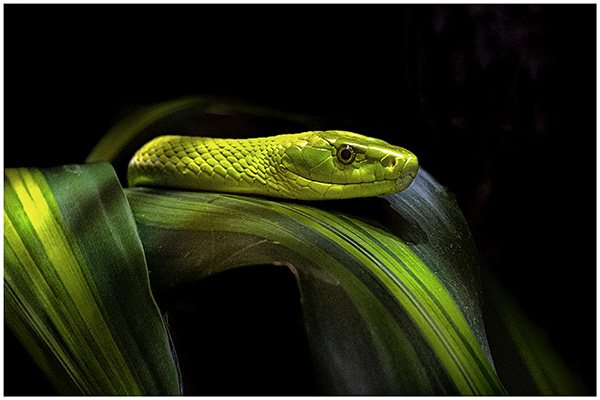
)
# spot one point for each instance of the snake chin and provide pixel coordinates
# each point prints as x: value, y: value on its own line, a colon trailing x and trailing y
x: 405, y: 181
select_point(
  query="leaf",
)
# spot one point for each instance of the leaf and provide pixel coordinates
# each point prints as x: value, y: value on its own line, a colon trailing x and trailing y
x: 526, y: 361
x: 389, y: 286
x: 76, y: 286
x: 379, y: 319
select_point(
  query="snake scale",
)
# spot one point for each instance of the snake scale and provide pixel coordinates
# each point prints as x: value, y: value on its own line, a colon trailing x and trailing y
x: 316, y: 165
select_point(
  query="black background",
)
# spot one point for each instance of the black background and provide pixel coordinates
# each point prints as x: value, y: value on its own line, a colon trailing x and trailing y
x: 497, y: 101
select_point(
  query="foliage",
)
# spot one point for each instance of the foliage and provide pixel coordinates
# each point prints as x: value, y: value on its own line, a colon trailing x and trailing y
x: 389, y: 287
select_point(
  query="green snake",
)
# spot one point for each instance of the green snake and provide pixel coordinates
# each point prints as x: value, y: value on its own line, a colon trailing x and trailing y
x: 316, y: 165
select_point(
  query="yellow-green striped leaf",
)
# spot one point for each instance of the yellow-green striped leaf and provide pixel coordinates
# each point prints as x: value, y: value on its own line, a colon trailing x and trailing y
x: 76, y: 286
x: 379, y: 319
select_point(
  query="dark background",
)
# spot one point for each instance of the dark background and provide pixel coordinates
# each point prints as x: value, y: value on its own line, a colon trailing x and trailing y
x: 498, y: 102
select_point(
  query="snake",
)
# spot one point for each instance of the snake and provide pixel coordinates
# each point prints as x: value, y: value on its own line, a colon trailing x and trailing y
x: 313, y: 165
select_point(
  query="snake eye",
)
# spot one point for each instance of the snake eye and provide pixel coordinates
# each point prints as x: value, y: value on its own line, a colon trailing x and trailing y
x: 346, y: 154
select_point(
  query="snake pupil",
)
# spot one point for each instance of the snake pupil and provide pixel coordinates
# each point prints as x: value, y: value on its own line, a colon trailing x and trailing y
x: 346, y: 154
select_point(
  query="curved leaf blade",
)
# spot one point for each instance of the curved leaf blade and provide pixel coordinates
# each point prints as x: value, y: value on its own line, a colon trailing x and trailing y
x: 379, y: 320
x: 76, y: 287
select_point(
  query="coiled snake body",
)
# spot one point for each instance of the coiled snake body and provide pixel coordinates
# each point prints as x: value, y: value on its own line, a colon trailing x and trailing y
x: 319, y: 165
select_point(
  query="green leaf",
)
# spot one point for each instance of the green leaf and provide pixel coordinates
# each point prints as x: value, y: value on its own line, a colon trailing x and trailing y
x: 77, y: 293
x: 379, y: 319
x: 389, y: 286
x: 526, y: 361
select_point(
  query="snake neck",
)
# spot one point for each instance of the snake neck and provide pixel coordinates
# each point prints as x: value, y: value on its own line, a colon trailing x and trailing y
x: 212, y: 164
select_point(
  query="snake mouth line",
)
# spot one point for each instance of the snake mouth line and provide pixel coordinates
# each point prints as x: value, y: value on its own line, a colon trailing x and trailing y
x: 397, y: 182
x: 374, y: 181
x: 401, y: 177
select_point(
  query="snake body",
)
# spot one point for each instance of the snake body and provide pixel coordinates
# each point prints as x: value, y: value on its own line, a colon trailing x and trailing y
x: 316, y: 165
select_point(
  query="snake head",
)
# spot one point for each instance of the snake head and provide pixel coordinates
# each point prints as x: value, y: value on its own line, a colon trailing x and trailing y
x: 340, y: 164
